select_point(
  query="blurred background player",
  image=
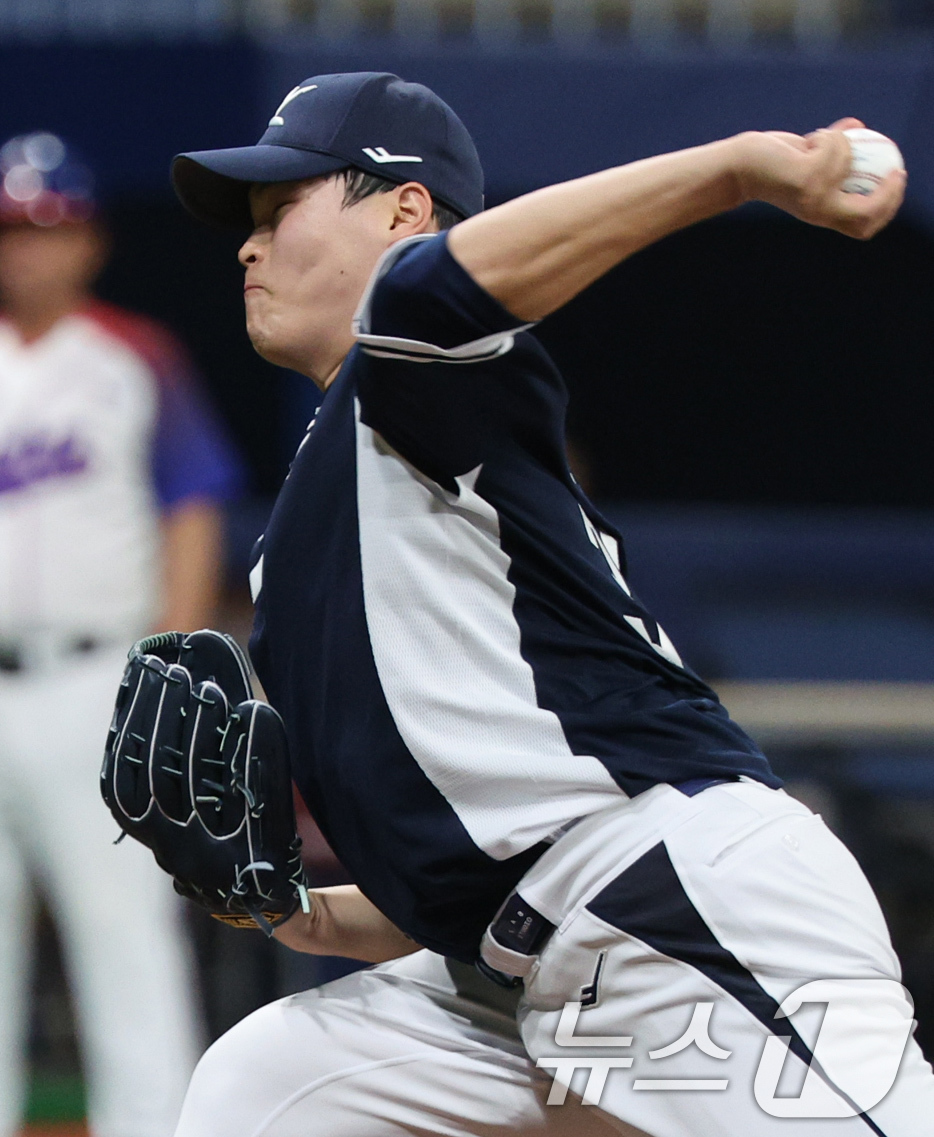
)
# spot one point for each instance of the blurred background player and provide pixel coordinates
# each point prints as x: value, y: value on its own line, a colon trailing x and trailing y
x: 112, y: 471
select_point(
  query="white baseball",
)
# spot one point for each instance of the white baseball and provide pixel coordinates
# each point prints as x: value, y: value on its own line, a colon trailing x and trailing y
x: 874, y: 158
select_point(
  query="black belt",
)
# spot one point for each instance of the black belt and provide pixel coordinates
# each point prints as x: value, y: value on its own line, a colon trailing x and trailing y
x: 15, y: 656
x: 694, y: 786
x: 520, y: 928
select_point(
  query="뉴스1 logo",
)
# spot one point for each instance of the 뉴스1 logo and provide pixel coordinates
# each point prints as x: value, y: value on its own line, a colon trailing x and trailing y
x: 380, y: 155
x: 277, y: 119
x: 875, y: 1012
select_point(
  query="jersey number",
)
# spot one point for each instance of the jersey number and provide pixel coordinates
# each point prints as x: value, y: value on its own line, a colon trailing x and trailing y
x: 609, y: 547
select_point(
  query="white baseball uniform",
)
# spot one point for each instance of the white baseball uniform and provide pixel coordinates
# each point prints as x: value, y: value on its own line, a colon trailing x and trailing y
x: 99, y: 430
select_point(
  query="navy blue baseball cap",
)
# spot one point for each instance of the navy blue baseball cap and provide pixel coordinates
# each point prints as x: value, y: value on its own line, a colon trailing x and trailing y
x: 370, y: 120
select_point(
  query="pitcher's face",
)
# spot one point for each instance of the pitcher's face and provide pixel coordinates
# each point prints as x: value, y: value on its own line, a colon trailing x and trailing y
x: 307, y: 264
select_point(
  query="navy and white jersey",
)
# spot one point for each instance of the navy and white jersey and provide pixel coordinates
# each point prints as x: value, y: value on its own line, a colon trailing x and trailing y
x: 444, y: 622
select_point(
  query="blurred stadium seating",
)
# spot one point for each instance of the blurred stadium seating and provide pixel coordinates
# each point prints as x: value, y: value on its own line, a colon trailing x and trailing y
x: 568, y: 19
x: 90, y: 19
x: 558, y: 20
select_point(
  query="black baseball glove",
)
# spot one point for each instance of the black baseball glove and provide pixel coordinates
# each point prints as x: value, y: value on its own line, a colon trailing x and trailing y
x: 198, y: 771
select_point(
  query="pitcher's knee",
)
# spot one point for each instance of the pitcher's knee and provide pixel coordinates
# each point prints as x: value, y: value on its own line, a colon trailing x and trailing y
x: 242, y: 1076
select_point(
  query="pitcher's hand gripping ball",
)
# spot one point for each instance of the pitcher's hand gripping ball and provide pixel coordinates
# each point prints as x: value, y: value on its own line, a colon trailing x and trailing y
x: 198, y: 771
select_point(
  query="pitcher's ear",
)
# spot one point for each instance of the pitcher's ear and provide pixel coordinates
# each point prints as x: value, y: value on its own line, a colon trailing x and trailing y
x: 413, y: 208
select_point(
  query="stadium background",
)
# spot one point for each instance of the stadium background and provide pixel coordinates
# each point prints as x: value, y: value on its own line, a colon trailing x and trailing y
x: 752, y: 400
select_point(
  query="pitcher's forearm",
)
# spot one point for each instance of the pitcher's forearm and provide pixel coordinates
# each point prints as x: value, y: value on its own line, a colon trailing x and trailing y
x: 343, y: 922
x: 535, y: 253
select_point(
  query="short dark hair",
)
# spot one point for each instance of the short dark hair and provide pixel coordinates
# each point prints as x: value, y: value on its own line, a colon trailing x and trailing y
x: 358, y: 184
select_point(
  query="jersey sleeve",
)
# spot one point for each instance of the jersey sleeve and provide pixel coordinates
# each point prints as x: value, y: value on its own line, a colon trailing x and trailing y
x: 421, y: 306
x: 191, y: 456
x: 444, y: 373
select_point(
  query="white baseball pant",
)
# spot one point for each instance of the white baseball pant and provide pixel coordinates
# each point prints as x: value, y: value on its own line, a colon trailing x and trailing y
x: 116, y: 914
x: 682, y: 925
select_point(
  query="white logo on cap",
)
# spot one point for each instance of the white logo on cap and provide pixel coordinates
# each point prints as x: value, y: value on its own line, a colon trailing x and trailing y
x: 277, y: 119
x: 382, y: 156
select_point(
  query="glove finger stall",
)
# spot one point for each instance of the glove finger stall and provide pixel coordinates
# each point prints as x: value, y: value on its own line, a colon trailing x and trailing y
x: 271, y: 824
x: 216, y: 657
x: 133, y: 747
x: 168, y: 753
x: 215, y: 752
x: 125, y: 694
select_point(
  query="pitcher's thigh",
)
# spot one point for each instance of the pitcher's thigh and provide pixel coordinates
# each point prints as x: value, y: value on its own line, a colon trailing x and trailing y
x: 371, y: 1055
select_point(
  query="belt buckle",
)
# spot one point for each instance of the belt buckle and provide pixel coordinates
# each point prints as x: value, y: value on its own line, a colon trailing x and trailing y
x: 512, y: 942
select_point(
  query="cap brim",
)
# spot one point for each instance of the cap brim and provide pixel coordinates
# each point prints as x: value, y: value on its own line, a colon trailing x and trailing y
x: 214, y: 185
